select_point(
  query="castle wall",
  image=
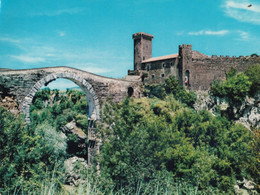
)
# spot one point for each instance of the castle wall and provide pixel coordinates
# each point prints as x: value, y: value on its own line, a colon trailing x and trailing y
x: 194, y: 70
x: 158, y: 71
x: 204, y: 71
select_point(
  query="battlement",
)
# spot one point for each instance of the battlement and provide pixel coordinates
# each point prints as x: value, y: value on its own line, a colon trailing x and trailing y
x: 184, y: 46
x: 140, y: 35
x: 227, y: 57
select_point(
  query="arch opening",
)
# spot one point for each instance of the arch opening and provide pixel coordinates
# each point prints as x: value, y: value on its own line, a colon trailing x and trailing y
x: 130, y: 91
x: 187, y: 78
x: 68, y: 109
x: 92, y: 99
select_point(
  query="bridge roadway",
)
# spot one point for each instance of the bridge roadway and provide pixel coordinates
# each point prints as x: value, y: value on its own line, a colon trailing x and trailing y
x: 23, y: 84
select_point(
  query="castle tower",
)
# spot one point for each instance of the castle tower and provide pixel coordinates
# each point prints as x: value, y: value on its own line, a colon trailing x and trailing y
x: 142, y: 48
x: 185, y: 68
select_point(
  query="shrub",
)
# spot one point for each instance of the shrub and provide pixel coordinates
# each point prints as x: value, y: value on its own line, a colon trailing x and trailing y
x: 253, y: 74
x: 236, y: 87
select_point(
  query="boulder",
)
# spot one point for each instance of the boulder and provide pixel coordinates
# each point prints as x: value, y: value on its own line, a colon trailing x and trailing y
x: 73, y: 169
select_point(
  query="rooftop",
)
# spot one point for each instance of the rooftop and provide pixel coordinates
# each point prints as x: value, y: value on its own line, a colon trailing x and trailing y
x: 161, y: 58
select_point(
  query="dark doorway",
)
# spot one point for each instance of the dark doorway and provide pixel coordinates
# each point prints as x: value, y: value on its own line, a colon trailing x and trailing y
x: 130, y: 91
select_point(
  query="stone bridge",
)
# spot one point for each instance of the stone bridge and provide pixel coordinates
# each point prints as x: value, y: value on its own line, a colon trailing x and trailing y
x: 22, y: 85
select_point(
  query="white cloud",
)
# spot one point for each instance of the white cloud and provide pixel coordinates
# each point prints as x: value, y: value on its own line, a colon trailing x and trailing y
x: 240, y: 11
x: 95, y: 70
x: 237, y: 33
x: 28, y: 59
x: 37, y: 53
x: 9, y: 40
x: 59, y: 12
x: 244, y: 5
x: 209, y: 32
x: 62, y: 33
x: 243, y: 35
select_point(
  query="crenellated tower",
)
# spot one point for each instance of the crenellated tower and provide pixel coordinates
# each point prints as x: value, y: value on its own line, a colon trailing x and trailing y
x: 142, y: 48
x: 185, y: 64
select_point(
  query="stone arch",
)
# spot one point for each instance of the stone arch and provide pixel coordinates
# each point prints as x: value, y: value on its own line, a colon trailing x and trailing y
x: 93, y: 111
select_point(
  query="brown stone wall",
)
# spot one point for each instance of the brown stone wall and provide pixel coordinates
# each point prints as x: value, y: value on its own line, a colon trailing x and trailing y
x: 158, y: 71
x: 142, y: 48
x: 204, y: 71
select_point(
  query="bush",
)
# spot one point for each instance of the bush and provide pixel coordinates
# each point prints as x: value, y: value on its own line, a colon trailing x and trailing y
x: 171, y: 86
x: 206, y: 151
x: 235, y: 88
x: 253, y: 74
x: 27, y: 157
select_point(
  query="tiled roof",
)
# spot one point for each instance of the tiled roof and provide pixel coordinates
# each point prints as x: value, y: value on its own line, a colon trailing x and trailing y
x: 161, y: 58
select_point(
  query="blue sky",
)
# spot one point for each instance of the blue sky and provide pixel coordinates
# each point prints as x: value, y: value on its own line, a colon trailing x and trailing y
x: 96, y: 35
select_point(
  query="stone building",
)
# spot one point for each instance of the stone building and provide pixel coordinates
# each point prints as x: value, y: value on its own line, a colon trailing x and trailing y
x: 193, y: 69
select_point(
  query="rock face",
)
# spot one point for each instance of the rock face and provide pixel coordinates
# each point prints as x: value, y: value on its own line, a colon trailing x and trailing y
x: 10, y: 104
x: 72, y: 128
x: 78, y: 144
x: 73, y: 168
x: 248, y: 113
x: 245, y: 187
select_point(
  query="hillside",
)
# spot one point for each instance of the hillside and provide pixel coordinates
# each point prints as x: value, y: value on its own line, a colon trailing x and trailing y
x: 156, y: 144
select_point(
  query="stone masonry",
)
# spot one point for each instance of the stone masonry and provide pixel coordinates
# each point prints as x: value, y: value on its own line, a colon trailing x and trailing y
x: 20, y: 86
x: 194, y: 70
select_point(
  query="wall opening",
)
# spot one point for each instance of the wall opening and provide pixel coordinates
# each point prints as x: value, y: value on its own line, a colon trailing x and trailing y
x: 130, y: 91
x: 62, y: 106
x: 93, y: 102
x: 187, y: 78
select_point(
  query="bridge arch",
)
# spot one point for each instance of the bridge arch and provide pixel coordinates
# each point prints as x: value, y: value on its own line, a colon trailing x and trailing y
x: 93, y: 111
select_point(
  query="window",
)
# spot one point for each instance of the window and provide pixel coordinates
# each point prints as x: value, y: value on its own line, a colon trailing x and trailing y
x: 163, y: 65
x: 187, y: 78
x: 143, y: 58
x: 162, y: 75
x: 148, y: 67
x: 152, y: 76
x: 91, y: 143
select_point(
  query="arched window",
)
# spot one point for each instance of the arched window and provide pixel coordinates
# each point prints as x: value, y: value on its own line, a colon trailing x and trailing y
x: 187, y: 78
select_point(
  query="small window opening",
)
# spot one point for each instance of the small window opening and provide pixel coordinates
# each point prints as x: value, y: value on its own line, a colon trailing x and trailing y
x: 143, y: 58
x: 148, y: 67
x: 152, y: 76
x: 163, y: 65
x: 91, y: 124
x: 162, y: 75
x: 187, y: 78
x: 91, y: 143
